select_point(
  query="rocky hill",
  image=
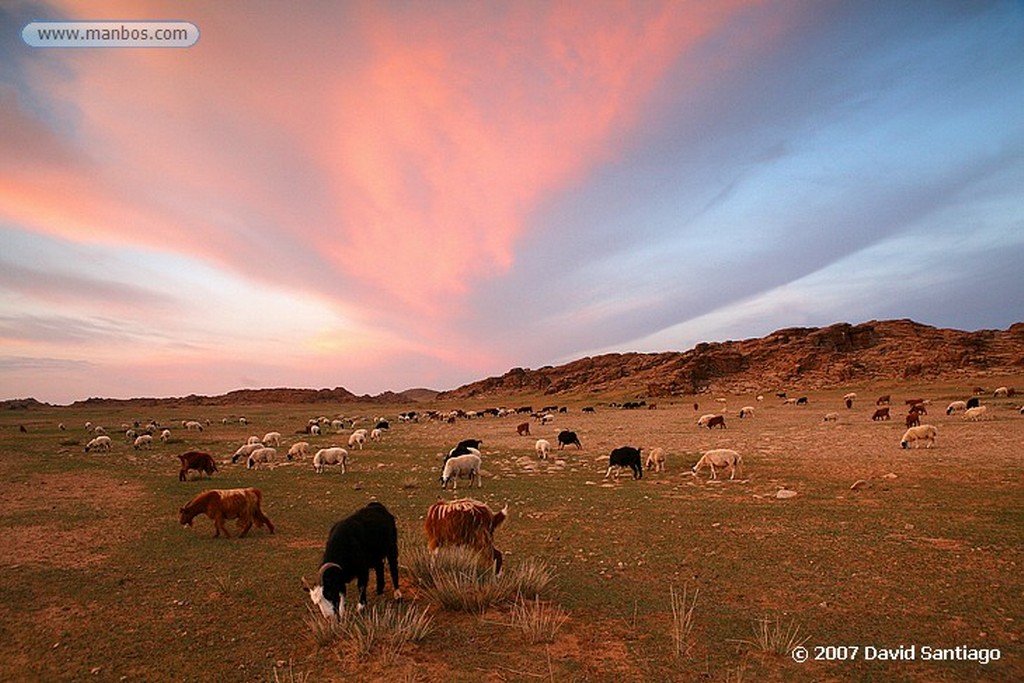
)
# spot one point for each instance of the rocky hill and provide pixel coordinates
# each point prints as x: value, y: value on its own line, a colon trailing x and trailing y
x: 805, y: 357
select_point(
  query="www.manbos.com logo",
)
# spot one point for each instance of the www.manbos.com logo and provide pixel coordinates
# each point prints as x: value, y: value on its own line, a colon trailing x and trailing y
x: 110, y: 34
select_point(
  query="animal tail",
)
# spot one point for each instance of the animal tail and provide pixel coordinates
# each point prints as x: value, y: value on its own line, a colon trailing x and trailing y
x: 499, y: 517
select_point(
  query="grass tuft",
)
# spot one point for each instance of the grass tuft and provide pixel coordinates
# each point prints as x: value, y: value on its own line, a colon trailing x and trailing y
x: 682, y: 620
x: 381, y: 629
x: 770, y: 636
x: 538, y: 621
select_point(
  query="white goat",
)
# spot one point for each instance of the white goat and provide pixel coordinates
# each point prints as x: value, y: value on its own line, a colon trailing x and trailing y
x: 543, y: 447
x: 719, y: 457
x: 921, y: 434
x: 467, y: 466
x: 656, y: 459
x: 330, y: 456
x: 975, y: 413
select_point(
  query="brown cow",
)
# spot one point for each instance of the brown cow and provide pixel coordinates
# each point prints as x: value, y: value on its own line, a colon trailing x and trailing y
x: 198, y: 461
x: 465, y: 522
x: 221, y: 504
x: 881, y: 414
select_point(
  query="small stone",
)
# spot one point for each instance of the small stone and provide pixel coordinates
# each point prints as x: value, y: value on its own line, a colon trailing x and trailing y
x: 783, y: 494
x: 860, y: 485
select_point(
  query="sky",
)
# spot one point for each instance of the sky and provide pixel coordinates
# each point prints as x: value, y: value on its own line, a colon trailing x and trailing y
x: 383, y: 195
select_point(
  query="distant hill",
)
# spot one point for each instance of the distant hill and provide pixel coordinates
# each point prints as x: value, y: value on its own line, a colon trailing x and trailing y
x: 805, y: 357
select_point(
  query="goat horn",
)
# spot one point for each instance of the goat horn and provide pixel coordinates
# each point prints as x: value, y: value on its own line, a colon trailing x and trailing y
x: 324, y: 568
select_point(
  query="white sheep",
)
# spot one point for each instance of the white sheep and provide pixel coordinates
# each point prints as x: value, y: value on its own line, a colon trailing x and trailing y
x: 921, y: 434
x: 143, y: 441
x: 130, y: 434
x: 261, y: 455
x: 703, y: 420
x: 99, y: 430
x: 1001, y: 392
x: 61, y: 427
x: 337, y: 426
x: 656, y: 459
x: 850, y: 396
x: 975, y: 413
x: 467, y: 466
x: 358, y: 438
x: 272, y: 439
x: 246, y: 450
x: 543, y: 447
x: 253, y: 439
x: 193, y: 426
x: 956, y: 407
x: 165, y: 435
x: 376, y: 435
x: 330, y: 456
x: 747, y: 411
x: 88, y: 426
x: 314, y: 430
x: 831, y: 417
x: 719, y: 457
x: 242, y: 421
x: 299, y: 449
x: 100, y: 443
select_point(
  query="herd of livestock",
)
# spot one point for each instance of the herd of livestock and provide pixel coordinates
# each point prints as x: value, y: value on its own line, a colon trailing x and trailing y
x: 368, y: 537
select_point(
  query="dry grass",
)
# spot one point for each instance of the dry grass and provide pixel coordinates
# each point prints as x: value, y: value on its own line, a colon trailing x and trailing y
x: 538, y: 621
x: 682, y: 620
x: 772, y: 637
x: 382, y: 630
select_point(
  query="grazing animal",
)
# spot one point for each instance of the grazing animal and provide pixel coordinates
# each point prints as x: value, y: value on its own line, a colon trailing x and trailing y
x: 850, y: 396
x: 831, y: 417
x: 543, y: 447
x: 913, y: 419
x: 925, y: 434
x: 588, y: 409
x: 717, y: 421
x: 198, y: 461
x: 565, y: 438
x: 883, y: 400
x: 975, y: 413
x: 849, y: 403
x: 221, y: 504
x: 747, y: 411
x: 355, y: 545
x: 357, y: 438
x: 913, y: 401
x: 246, y: 451
x: 261, y: 455
x: 330, y: 456
x: 919, y: 409
x: 1001, y: 392
x: 193, y: 426
x: 789, y: 402
x: 656, y: 459
x: 99, y: 443
x: 465, y: 522
x: 703, y: 420
x: 376, y: 434
x: 973, y: 402
x: 272, y: 439
x: 881, y: 414
x: 625, y: 456
x: 802, y: 401
x: 523, y: 429
x: 466, y: 465
x: 143, y: 441
x: 719, y: 457
x: 165, y: 435
x: 299, y: 449
x: 956, y: 407
x: 465, y: 446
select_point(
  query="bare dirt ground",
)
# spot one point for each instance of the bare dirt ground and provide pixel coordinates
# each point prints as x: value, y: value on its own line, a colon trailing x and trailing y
x: 100, y: 583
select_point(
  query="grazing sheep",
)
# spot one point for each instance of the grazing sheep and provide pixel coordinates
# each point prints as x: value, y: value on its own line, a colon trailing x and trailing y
x: 465, y: 446
x: 956, y: 407
x: 543, y: 447
x: 100, y: 443
x: 376, y: 434
x: 467, y: 466
x: 976, y: 413
x: 719, y: 457
x: 299, y: 449
x: 253, y: 439
x: 625, y: 456
x: 831, y: 417
x: 884, y: 400
x: 881, y: 414
x: 99, y: 430
x: 747, y: 411
x: 272, y: 439
x: 921, y: 434
x: 789, y: 402
x: 246, y: 451
x: 357, y: 438
x: 330, y: 456
x: 261, y: 455
x: 703, y: 420
x: 144, y: 441
x: 850, y: 396
x: 193, y: 426
x: 242, y: 421
x: 130, y: 434
x: 165, y: 435
x: 566, y: 438
x: 523, y: 429
x: 62, y: 427
x: 1001, y: 392
x: 656, y: 459
x: 314, y: 430
x: 973, y: 402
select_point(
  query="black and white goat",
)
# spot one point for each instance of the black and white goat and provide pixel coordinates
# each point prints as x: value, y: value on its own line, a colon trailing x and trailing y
x: 356, y: 544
